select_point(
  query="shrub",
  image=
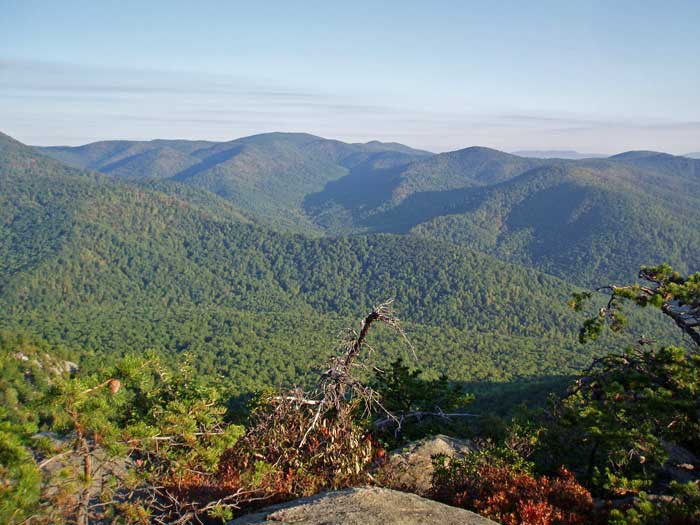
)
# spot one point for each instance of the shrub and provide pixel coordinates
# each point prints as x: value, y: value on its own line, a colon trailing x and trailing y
x: 487, y: 483
x: 336, y: 452
x: 682, y: 508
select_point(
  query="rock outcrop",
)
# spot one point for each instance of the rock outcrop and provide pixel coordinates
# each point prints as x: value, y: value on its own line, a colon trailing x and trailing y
x: 364, y: 506
x: 411, y: 468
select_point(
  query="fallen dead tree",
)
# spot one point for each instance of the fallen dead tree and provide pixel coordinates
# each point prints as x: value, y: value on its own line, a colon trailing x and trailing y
x: 299, y: 443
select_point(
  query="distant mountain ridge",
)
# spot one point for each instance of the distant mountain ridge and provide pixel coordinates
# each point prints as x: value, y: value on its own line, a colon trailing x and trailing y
x: 269, y: 173
x: 585, y: 220
x: 588, y: 220
x: 557, y: 154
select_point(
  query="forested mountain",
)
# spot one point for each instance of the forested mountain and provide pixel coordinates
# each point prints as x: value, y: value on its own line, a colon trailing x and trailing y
x: 101, y: 269
x: 268, y: 174
x: 156, y: 158
x: 108, y: 267
x: 363, y: 199
x: 682, y: 168
x: 587, y: 220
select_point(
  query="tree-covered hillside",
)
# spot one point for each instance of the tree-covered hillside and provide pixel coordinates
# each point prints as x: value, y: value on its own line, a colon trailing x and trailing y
x: 169, y: 298
x: 108, y: 267
x: 353, y: 202
x: 680, y: 168
x: 584, y: 221
x: 267, y: 174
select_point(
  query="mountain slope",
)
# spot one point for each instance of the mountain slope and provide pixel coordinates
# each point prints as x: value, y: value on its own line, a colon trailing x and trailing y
x: 267, y: 174
x: 588, y: 221
x: 365, y: 193
x: 100, y: 156
x: 41, y: 200
x: 125, y: 268
x: 590, y: 224
x: 678, y: 167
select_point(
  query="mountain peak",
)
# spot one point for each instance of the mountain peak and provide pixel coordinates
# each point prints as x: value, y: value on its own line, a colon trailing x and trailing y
x: 483, y: 150
x: 6, y: 140
x: 280, y: 135
x: 638, y: 154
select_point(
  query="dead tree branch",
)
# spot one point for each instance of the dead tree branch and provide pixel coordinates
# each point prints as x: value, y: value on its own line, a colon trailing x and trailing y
x: 338, y: 384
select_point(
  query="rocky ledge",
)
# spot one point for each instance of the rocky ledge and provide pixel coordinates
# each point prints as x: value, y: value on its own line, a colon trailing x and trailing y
x: 364, y: 506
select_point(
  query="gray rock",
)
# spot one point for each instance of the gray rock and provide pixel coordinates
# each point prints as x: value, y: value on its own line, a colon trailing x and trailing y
x: 681, y: 464
x: 364, y: 506
x: 411, y: 468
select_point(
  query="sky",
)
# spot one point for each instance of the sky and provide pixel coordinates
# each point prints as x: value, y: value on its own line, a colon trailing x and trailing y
x: 592, y: 76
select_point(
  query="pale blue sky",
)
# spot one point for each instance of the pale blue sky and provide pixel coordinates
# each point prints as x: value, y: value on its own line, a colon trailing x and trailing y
x: 592, y: 76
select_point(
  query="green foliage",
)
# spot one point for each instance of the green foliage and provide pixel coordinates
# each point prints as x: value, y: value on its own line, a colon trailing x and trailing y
x: 145, y: 424
x: 19, y: 476
x: 27, y: 371
x: 110, y: 268
x: 174, y: 418
x: 405, y: 391
x: 682, y: 507
x: 623, y: 415
x: 621, y: 412
x: 665, y: 289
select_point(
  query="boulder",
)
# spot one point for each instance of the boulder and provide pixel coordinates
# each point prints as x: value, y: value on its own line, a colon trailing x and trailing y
x: 411, y: 468
x: 364, y: 506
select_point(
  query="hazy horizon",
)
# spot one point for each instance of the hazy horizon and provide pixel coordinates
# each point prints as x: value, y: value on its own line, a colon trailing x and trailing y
x: 537, y: 152
x: 594, y: 78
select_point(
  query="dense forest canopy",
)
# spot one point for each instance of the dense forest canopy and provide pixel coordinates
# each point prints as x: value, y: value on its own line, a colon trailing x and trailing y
x: 156, y: 319
x: 108, y: 267
x: 583, y: 220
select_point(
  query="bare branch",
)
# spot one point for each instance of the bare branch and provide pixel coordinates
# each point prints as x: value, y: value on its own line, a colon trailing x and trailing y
x: 400, y: 418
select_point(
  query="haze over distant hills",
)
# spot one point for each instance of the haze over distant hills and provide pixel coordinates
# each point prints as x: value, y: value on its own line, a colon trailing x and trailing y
x: 587, y: 220
x: 695, y: 155
x: 557, y: 154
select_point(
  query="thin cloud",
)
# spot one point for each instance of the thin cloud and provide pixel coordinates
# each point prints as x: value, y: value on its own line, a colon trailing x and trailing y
x: 55, y: 78
x: 77, y: 104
